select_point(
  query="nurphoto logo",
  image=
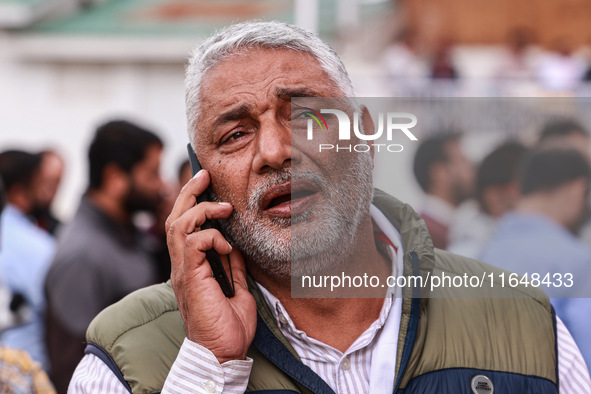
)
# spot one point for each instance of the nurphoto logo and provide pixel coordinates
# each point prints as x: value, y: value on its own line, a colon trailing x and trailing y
x: 394, y: 122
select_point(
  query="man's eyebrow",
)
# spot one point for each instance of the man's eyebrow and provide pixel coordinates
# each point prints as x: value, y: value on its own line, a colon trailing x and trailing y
x: 232, y: 114
x: 288, y: 93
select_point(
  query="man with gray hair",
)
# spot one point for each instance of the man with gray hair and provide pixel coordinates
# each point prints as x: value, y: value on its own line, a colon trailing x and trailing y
x: 286, y: 211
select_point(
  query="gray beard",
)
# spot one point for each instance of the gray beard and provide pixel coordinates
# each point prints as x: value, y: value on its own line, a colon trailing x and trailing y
x: 320, y: 239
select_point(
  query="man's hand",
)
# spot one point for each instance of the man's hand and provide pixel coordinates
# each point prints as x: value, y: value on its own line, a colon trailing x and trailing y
x: 223, y: 325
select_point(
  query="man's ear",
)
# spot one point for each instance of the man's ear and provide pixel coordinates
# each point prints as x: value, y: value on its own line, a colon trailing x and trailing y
x: 116, y: 181
x: 368, y: 126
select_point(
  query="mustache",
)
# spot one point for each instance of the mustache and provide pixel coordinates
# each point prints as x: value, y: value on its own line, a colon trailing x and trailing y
x: 280, y: 177
x: 274, y: 178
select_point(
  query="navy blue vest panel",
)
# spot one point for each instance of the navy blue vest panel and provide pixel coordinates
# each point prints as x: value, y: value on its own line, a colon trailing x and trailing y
x: 459, y: 381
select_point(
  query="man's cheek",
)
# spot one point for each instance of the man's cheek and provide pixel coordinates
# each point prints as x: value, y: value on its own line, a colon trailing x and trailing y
x: 226, y: 192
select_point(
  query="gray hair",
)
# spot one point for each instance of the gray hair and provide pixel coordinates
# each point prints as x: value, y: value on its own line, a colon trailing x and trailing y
x: 233, y: 39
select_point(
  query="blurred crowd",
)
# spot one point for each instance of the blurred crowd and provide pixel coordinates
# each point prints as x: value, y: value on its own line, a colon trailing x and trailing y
x: 56, y: 277
x: 520, y: 67
x: 523, y: 208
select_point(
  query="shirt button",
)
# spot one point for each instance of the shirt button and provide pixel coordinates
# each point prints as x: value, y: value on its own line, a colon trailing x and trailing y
x: 282, y: 318
x: 210, y: 386
x: 345, y: 364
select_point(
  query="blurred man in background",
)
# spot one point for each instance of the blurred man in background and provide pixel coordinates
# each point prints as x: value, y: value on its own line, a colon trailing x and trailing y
x: 446, y: 176
x: 539, y: 236
x: 568, y: 134
x: 497, y: 192
x: 101, y: 256
x: 18, y: 372
x: 50, y: 177
x: 26, y: 251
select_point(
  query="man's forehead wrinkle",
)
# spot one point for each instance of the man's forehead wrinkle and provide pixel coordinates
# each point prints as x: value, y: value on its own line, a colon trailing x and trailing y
x: 279, y: 87
x: 244, y: 94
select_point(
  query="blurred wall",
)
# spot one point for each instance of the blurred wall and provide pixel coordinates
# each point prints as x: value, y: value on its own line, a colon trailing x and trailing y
x: 58, y: 104
x: 489, y: 22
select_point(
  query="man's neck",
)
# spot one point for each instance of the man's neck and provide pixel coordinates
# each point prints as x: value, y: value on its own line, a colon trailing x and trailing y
x: 337, y: 322
x: 543, y: 205
x: 109, y: 206
x: 19, y: 201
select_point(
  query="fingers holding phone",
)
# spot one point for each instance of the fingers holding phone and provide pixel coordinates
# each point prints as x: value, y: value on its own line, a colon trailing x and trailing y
x: 187, y: 216
x: 217, y: 268
x: 223, y: 325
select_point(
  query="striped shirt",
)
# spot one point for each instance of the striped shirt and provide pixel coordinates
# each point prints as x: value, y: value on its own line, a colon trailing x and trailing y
x: 367, y: 366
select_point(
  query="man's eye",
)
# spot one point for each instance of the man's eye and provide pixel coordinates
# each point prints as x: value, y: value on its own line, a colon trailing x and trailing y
x: 300, y: 115
x: 233, y: 136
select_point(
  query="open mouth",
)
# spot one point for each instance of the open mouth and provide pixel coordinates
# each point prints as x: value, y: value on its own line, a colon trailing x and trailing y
x: 289, y: 198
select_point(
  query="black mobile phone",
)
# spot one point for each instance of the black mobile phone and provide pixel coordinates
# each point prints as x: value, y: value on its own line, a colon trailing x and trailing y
x: 217, y: 268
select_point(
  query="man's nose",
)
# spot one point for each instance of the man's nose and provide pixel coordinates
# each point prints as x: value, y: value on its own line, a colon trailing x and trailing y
x: 273, y: 146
